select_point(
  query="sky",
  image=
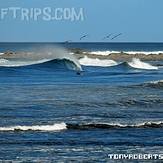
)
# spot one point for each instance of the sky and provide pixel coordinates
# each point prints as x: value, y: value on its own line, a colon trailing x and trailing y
x: 137, y: 20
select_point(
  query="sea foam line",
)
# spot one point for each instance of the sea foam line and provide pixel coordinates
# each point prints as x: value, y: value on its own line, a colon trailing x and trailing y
x: 107, y: 52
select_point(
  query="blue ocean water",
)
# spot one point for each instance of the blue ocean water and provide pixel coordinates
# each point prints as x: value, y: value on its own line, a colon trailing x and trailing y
x: 51, y: 113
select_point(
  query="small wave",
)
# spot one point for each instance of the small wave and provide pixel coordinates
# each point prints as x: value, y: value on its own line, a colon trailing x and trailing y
x: 114, y: 126
x: 136, y: 63
x: 96, y: 62
x: 54, y: 127
x: 64, y: 126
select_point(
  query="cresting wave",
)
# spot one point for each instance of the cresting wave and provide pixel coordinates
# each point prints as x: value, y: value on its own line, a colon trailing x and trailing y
x: 38, y: 56
x: 64, y: 126
x: 135, y: 63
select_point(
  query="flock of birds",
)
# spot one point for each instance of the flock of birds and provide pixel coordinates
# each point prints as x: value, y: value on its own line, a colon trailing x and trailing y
x: 110, y: 36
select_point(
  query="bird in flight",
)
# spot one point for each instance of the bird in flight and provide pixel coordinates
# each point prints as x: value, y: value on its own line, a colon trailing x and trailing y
x: 84, y: 37
x: 116, y: 36
x: 107, y: 37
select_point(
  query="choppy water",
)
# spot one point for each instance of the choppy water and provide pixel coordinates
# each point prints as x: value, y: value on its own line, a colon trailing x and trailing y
x: 48, y: 112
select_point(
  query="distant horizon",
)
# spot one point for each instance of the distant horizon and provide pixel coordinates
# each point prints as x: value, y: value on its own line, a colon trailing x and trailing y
x: 92, y: 42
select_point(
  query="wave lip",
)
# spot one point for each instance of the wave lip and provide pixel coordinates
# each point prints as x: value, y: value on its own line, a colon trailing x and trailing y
x: 54, y: 127
x: 97, y: 62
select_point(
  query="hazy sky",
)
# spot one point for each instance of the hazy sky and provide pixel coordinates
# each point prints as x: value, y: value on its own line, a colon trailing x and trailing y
x: 137, y: 20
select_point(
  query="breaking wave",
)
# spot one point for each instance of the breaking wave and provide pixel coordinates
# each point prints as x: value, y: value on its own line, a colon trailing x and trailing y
x: 64, y: 126
x: 35, y: 57
x: 96, y: 62
x: 135, y: 63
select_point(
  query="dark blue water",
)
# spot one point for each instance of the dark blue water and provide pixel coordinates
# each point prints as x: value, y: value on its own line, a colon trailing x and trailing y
x: 103, y: 110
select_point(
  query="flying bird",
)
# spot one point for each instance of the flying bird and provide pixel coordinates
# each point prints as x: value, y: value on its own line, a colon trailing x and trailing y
x: 84, y: 37
x: 116, y: 36
x: 107, y: 37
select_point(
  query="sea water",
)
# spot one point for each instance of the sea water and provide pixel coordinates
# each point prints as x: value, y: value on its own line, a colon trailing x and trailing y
x: 51, y: 113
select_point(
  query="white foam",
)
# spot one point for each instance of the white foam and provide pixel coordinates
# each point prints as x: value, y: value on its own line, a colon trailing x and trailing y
x: 136, y: 63
x: 96, y: 62
x: 1, y: 53
x: 54, y: 127
x: 105, y: 53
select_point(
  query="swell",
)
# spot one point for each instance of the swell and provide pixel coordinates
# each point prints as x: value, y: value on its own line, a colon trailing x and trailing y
x: 64, y: 126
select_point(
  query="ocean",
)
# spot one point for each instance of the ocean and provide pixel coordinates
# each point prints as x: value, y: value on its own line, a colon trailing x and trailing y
x: 56, y: 107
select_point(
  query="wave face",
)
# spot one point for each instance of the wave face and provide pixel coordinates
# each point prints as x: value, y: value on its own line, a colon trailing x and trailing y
x: 96, y: 62
x: 35, y: 57
x: 64, y: 126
